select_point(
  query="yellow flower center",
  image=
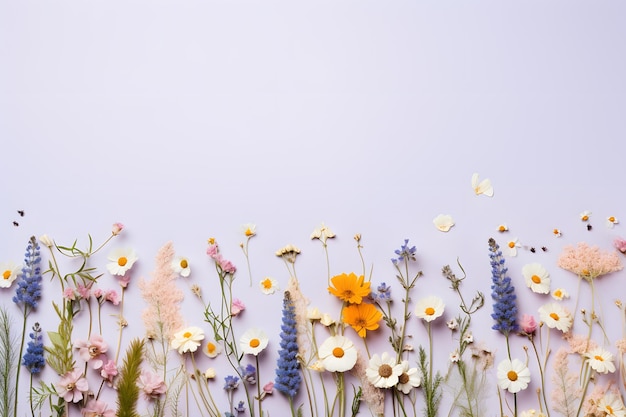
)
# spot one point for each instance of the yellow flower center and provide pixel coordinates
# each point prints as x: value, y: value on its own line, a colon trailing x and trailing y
x: 556, y: 231
x: 267, y: 283
x: 585, y: 273
x: 70, y: 386
x: 609, y: 410
x: 404, y: 378
x: 536, y: 279
x: 211, y: 241
x: 558, y: 293
x: 187, y: 335
x: 584, y: 218
x: 512, y: 375
x: 183, y: 263
x: 502, y: 228
x: 347, y: 294
x: 122, y: 261
x: 385, y: 371
x: 599, y: 358
x: 6, y: 274
x: 255, y: 343
x: 429, y: 311
x: 511, y: 245
x: 611, y: 219
x: 210, y: 347
x: 555, y: 316
x: 338, y: 352
x: 93, y: 351
x: 249, y: 232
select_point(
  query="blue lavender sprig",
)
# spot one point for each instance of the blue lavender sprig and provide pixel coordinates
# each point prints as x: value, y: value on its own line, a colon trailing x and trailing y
x: 405, y: 253
x: 248, y: 374
x: 288, y: 377
x: 28, y: 289
x: 33, y: 359
x: 382, y: 294
x: 503, y: 293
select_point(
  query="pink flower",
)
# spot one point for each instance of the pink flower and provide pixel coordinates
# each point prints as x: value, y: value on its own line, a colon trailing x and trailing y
x: 83, y: 292
x: 237, y: 307
x: 588, y: 261
x: 620, y: 244
x: 227, y: 266
x: 268, y: 388
x: 117, y: 228
x: 212, y: 250
x: 112, y: 296
x: 69, y: 294
x: 124, y: 280
x: 95, y: 408
x: 72, y: 386
x: 109, y: 371
x: 528, y: 324
x: 98, y: 293
x: 92, y: 351
x: 151, y: 384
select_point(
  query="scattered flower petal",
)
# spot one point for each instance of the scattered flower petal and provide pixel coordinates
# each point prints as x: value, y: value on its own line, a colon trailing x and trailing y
x: 484, y: 187
x: 585, y: 215
x: 611, y: 222
x: 443, y: 222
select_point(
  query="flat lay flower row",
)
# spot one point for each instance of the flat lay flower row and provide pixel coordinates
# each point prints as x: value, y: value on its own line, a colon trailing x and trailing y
x: 324, y: 362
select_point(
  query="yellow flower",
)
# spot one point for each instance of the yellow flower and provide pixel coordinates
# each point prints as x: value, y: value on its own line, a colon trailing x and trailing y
x: 362, y: 317
x: 349, y: 288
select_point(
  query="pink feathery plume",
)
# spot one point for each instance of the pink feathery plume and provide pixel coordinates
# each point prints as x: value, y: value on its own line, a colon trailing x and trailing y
x: 300, y: 303
x: 162, y: 317
x: 589, y: 262
x: 566, y: 394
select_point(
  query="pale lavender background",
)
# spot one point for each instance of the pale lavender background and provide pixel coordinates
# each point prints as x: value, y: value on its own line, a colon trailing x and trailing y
x: 184, y: 120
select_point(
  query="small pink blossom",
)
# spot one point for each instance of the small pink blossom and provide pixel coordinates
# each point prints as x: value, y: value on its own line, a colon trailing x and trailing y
x: 109, y: 371
x: 72, y: 386
x: 212, y: 250
x: 92, y: 351
x: 98, y: 293
x: 237, y: 307
x: 112, y: 296
x: 69, y: 294
x: 117, y: 228
x: 83, y: 291
x: 528, y: 324
x: 151, y: 384
x: 95, y: 408
x: 124, y: 280
x: 268, y: 388
x: 620, y: 244
x: 227, y: 266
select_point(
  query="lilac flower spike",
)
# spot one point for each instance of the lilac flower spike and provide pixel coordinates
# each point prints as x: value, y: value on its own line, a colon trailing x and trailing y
x: 503, y: 293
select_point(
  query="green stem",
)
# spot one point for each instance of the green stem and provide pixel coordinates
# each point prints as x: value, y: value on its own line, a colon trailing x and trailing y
x: 19, y: 358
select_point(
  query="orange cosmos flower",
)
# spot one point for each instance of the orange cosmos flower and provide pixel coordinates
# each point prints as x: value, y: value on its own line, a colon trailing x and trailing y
x: 349, y: 288
x: 362, y: 317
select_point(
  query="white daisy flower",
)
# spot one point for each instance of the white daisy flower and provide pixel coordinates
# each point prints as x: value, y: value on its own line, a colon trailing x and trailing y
x: 409, y: 378
x: 585, y: 215
x: 10, y: 271
x: 512, y: 246
x: 513, y: 376
x: 253, y: 341
x: 180, y: 265
x: 484, y: 187
x: 452, y: 324
x: 611, y: 222
x: 455, y: 356
x: 187, y: 340
x: 557, y: 232
x: 537, y: 278
x: 443, y: 222
x: 383, y: 371
x: 555, y: 316
x: 337, y: 354
x: 600, y: 360
x: 249, y: 229
x: 121, y: 260
x: 429, y: 308
x: 468, y: 338
x: 502, y: 228
x: 612, y: 405
x: 560, y: 294
x: 268, y: 285
x: 212, y: 349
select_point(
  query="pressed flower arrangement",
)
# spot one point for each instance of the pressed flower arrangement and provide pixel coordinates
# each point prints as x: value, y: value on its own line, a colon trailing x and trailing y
x: 386, y: 343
